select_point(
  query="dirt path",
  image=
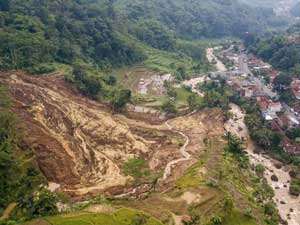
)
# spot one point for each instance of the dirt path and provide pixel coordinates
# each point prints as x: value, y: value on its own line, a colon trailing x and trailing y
x: 194, y: 82
x: 288, y: 206
x: 185, y: 155
x: 211, y: 57
x: 8, y: 211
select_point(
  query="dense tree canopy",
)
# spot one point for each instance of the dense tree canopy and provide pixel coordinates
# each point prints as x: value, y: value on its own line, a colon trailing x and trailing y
x: 282, y: 52
x: 202, y: 18
x: 35, y: 33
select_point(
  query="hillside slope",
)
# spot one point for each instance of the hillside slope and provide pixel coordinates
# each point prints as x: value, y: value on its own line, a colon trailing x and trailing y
x: 78, y: 143
x: 36, y: 34
x: 198, y: 19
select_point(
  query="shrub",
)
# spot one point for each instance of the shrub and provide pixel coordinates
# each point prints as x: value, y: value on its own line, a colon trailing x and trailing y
x: 169, y: 107
x: 216, y: 220
x: 294, y: 188
x: 42, y: 69
x: 259, y: 169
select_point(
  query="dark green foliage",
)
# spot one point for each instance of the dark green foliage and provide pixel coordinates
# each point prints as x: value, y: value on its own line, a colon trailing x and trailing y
x: 121, y: 98
x: 4, y: 5
x: 215, y: 220
x: 110, y: 80
x: 234, y: 144
x: 293, y: 133
x: 282, y: 82
x: 171, y: 92
x: 20, y: 50
x: 99, y: 87
x: 169, y: 106
x: 42, y: 69
x: 155, y: 34
x: 259, y: 169
x: 181, y: 73
x: 280, y: 51
x: 295, y: 187
x: 41, y: 204
x: 202, y: 18
x: 272, y: 213
x: 139, y: 219
x: 89, y: 85
x: 217, y: 94
x: 104, y: 32
x: 192, y: 101
x: 19, y: 181
x: 36, y: 32
x: 259, y: 130
x: 266, y: 138
x: 236, y: 147
x: 136, y: 167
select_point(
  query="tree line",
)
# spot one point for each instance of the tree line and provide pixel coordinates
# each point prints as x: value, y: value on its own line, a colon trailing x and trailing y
x: 20, y: 181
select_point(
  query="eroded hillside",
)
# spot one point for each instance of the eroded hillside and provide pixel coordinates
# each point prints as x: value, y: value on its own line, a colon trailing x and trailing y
x: 79, y: 143
x: 86, y: 150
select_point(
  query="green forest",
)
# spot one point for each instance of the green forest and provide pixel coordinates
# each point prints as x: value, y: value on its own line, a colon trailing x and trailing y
x: 37, y: 34
x: 283, y: 52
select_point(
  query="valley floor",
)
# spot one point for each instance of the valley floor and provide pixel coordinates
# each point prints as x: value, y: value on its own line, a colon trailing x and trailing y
x: 82, y: 148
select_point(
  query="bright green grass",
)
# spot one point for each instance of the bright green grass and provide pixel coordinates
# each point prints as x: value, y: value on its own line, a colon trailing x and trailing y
x: 161, y: 61
x: 122, y: 216
x: 191, y: 177
x: 182, y: 96
x: 238, y: 218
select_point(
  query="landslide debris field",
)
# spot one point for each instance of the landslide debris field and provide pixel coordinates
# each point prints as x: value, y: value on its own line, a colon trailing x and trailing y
x: 174, y: 171
x: 78, y: 143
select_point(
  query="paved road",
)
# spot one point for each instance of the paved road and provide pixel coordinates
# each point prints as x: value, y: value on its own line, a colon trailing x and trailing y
x: 243, y: 65
x: 244, y: 68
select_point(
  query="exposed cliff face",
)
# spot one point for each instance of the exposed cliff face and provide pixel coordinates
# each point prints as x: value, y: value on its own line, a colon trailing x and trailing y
x: 78, y: 143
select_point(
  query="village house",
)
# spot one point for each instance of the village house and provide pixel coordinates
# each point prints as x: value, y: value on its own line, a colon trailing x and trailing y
x: 274, y: 107
x: 268, y: 108
x: 254, y: 62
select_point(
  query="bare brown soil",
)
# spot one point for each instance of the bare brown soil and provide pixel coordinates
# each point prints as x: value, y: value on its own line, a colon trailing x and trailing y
x: 79, y: 143
x: 205, y: 124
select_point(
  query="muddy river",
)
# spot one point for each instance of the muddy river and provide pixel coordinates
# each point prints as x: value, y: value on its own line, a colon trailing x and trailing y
x: 288, y: 206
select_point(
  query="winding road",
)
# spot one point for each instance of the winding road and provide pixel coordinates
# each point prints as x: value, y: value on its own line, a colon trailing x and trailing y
x: 185, y: 155
x: 192, y: 83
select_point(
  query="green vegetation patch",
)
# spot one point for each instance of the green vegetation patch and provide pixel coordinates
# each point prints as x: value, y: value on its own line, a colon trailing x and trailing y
x: 238, y: 218
x: 191, y: 177
x: 123, y: 216
x: 139, y: 169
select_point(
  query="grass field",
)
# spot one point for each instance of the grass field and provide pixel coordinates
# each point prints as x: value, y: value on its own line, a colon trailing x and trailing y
x: 238, y: 218
x: 123, y: 216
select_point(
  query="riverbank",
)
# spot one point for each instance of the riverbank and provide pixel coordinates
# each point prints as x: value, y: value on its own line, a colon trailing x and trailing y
x: 288, y: 206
